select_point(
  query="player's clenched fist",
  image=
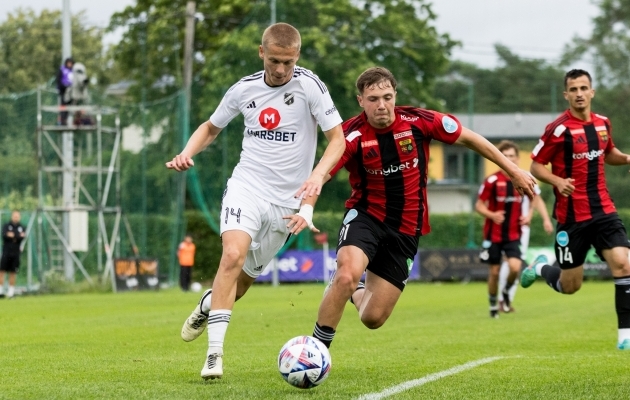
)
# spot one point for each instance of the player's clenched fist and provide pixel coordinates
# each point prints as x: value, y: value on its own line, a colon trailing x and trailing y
x: 180, y: 163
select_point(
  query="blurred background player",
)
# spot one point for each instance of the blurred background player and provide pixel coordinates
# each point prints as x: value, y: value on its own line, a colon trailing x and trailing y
x: 186, y: 258
x: 504, y: 270
x: 501, y: 204
x: 12, y: 235
x: 387, y: 155
x: 577, y: 144
x: 282, y: 106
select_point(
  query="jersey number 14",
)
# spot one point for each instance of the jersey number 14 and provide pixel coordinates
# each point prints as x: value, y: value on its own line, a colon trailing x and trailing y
x: 565, y: 255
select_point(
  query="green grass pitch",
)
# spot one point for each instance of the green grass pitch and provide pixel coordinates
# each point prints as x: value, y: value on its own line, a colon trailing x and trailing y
x: 127, y: 346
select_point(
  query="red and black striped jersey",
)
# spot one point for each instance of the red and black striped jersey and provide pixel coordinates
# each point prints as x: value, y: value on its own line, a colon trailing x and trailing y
x: 500, y: 194
x: 576, y: 149
x: 389, y: 167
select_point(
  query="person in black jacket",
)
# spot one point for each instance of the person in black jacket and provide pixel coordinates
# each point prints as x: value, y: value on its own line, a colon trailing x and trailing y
x: 12, y: 235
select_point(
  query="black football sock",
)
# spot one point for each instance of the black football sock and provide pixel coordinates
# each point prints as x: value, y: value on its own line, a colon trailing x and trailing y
x: 622, y: 301
x: 325, y: 334
x: 492, y: 299
x: 552, y: 276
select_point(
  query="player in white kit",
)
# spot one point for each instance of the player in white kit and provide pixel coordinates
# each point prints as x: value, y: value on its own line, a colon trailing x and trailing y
x: 539, y: 205
x: 282, y: 106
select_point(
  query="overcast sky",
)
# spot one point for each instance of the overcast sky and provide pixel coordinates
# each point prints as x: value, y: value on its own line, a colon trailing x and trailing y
x: 530, y: 28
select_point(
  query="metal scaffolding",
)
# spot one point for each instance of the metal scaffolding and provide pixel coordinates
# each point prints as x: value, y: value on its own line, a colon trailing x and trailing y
x: 82, y: 159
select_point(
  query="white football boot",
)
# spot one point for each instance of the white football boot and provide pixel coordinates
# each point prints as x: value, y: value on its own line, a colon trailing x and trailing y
x: 213, y: 367
x: 196, y: 323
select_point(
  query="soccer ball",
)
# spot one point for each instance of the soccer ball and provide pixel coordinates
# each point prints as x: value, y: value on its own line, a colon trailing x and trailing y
x: 196, y: 287
x: 304, y: 362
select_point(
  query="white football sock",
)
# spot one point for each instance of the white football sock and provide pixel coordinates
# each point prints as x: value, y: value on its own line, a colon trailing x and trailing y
x: 218, y: 321
x: 624, y: 333
x: 205, y: 303
x: 11, y: 291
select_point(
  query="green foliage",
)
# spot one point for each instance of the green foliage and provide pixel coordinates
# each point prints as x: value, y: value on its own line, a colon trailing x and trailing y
x: 151, y: 48
x: 30, y: 48
x: 208, y: 245
x: 19, y: 200
x: 127, y: 346
x: 608, y: 45
x: 516, y: 85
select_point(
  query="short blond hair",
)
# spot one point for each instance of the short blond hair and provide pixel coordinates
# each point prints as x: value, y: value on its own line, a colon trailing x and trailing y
x: 281, y: 35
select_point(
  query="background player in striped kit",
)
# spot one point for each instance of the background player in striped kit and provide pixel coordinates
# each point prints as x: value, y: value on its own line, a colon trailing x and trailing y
x: 387, y: 155
x: 505, y: 216
x: 282, y: 106
x: 577, y: 144
x: 504, y: 271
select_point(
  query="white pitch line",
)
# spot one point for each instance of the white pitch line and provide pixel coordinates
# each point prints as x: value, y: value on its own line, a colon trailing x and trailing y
x: 429, y: 378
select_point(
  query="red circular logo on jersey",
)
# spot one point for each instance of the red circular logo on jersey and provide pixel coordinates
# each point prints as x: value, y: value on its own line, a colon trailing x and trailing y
x: 269, y: 118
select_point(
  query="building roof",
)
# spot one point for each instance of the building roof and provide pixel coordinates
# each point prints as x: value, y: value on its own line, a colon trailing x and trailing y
x: 508, y: 125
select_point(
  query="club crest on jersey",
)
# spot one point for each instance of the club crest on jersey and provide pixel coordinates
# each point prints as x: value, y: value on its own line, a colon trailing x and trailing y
x: 406, y: 146
x: 269, y: 118
x: 289, y: 99
x: 603, y: 135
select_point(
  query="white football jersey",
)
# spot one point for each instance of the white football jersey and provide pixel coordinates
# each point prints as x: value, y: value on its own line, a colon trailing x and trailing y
x: 280, y: 136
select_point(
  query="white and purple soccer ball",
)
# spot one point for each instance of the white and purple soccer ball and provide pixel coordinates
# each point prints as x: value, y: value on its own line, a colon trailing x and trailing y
x: 304, y: 362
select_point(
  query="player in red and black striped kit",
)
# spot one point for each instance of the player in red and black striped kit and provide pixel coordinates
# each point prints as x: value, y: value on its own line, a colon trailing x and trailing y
x: 502, y: 205
x: 387, y: 155
x: 577, y: 144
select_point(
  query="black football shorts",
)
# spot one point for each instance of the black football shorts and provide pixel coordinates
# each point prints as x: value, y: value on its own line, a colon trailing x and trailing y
x: 10, y: 263
x: 390, y: 253
x: 573, y: 240
x: 491, y: 252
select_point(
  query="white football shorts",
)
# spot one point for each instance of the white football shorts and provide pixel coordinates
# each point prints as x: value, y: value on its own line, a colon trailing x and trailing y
x: 242, y: 210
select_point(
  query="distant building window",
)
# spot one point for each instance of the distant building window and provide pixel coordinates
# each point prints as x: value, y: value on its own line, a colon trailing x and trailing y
x: 456, y: 164
x: 455, y: 159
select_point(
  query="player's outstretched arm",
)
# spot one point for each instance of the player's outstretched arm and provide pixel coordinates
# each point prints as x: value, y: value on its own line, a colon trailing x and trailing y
x: 564, y: 185
x: 200, y: 139
x: 521, y: 180
x: 334, y: 150
x: 616, y: 157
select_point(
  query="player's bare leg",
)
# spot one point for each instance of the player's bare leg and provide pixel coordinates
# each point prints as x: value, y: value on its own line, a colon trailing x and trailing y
x: 617, y: 259
x: 514, y: 265
x: 376, y: 302
x: 351, y: 262
x: 224, y: 288
x: 571, y: 279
